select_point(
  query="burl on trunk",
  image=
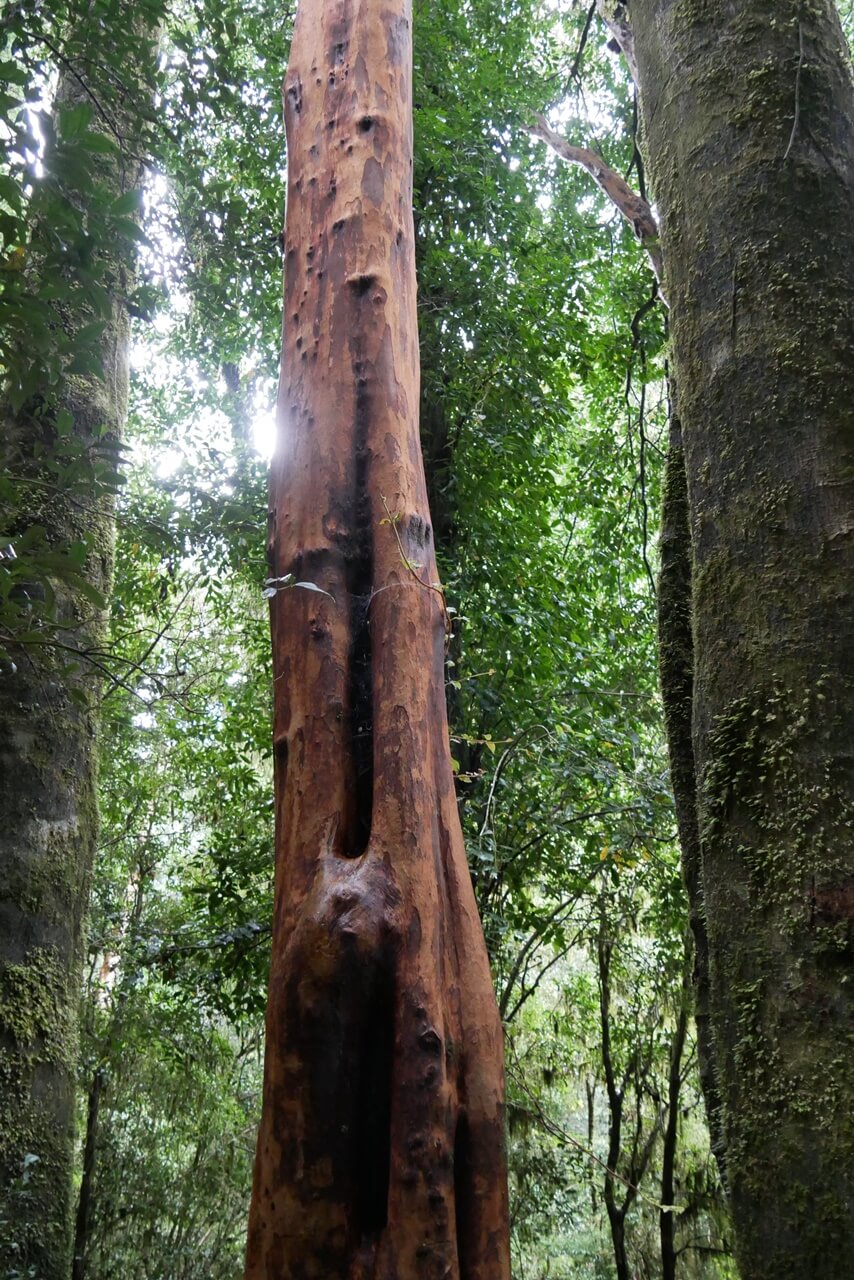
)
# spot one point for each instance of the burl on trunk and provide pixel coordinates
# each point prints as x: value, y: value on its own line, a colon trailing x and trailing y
x: 380, y: 1152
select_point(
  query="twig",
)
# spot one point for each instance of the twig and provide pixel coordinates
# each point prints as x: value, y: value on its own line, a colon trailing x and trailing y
x: 505, y: 756
x: 85, y: 654
x: 582, y: 44
x: 72, y: 70
x: 430, y: 586
x: 562, y: 1136
x: 157, y: 638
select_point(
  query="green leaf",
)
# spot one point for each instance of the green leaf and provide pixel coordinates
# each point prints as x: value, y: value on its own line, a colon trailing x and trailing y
x: 74, y: 120
x: 127, y: 202
x: 100, y: 143
x: 90, y: 593
x: 10, y: 191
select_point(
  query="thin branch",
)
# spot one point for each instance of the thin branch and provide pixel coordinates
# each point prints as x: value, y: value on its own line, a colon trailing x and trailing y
x: 637, y: 159
x: 253, y: 935
x: 582, y: 44
x: 637, y: 346
x: 563, y: 1137
x: 157, y: 638
x: 527, y: 992
x: 72, y: 70
x: 699, y: 1247
x: 643, y: 498
x: 633, y: 207
x: 533, y: 937
x: 505, y: 756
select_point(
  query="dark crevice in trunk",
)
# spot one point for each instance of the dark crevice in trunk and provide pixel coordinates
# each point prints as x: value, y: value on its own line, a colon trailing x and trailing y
x: 281, y: 748
x: 360, y: 583
x: 461, y: 1189
x: 372, y: 1146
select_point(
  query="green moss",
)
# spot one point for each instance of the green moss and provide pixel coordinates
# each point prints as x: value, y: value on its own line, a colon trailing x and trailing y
x: 35, y: 1008
x: 38, y: 1050
x: 759, y: 248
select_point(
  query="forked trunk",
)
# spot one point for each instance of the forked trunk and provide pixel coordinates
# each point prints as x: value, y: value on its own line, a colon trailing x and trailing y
x: 380, y: 1152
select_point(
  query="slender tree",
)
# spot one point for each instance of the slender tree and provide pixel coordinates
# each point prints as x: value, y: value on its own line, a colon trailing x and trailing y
x: 749, y: 125
x: 380, y: 1150
x: 65, y: 359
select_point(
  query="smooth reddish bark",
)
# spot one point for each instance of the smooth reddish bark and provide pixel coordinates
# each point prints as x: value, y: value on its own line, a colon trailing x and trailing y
x: 380, y: 1152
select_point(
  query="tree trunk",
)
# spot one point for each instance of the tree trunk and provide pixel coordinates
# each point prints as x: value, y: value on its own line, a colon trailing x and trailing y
x: 749, y: 122
x: 670, y: 1138
x: 676, y: 672
x: 84, y: 1202
x: 616, y: 1094
x: 49, y: 713
x: 380, y: 1152
x: 617, y: 1224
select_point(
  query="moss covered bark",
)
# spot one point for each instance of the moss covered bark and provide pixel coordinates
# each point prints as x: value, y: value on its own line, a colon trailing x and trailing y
x: 749, y: 122
x: 49, y: 698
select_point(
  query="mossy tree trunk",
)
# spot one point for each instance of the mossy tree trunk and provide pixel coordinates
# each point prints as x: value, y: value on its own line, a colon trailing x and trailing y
x: 58, y: 453
x: 749, y: 126
x: 380, y: 1152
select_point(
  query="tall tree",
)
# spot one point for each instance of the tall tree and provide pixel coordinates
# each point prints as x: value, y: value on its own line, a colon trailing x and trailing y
x: 65, y: 354
x: 749, y: 123
x: 380, y: 1150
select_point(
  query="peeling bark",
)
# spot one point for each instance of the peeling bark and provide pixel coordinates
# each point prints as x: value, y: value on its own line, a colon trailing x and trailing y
x: 615, y: 15
x: 380, y: 1152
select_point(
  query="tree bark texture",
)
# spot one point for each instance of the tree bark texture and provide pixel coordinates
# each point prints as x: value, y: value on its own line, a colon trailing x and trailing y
x: 49, y: 716
x: 749, y: 124
x: 676, y: 673
x: 381, y: 1146
x: 670, y: 1137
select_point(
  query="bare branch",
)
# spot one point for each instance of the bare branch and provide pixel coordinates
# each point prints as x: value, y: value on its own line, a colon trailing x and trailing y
x: 633, y: 207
